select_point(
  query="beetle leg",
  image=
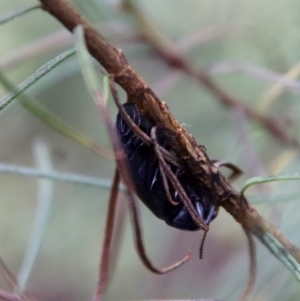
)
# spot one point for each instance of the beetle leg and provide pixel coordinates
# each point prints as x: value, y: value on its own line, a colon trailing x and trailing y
x: 177, y: 186
x: 162, y: 172
x: 236, y: 171
x: 166, y: 185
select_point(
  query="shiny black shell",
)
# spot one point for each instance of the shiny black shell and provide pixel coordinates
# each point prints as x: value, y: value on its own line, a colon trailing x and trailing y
x: 144, y: 169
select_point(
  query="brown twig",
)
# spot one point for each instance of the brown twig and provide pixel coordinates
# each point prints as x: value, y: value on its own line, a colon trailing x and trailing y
x: 107, y: 244
x: 118, y: 235
x: 172, y: 56
x: 194, y: 156
x: 252, y: 267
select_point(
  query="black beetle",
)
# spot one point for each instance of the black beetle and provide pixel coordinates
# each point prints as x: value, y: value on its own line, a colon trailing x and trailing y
x: 144, y: 169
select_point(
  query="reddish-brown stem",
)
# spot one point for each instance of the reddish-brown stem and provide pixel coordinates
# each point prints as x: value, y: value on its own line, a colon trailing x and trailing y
x: 108, y: 235
x: 252, y: 267
x: 111, y: 58
x: 166, y: 184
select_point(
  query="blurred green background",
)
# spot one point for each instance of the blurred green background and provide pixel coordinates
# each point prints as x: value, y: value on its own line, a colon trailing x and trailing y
x: 244, y: 44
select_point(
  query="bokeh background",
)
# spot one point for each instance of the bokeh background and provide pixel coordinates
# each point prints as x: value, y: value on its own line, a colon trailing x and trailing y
x: 245, y: 46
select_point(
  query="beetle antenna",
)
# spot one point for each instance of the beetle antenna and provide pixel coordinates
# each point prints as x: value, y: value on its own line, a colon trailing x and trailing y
x: 202, y: 245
